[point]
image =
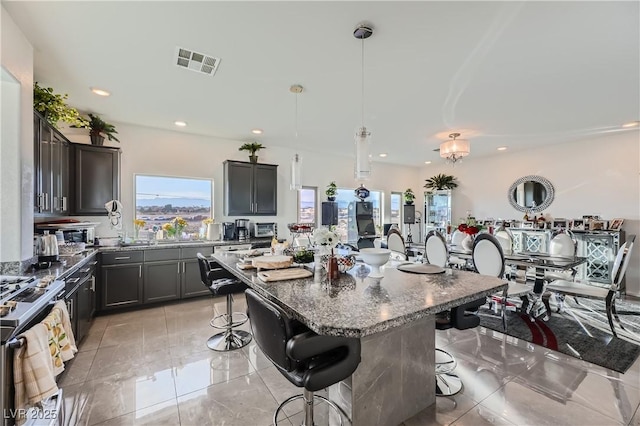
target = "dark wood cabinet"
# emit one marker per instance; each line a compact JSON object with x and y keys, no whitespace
{"x":190,"y":282}
{"x":161,"y":275}
{"x":81,"y":300}
{"x":250,"y":189}
{"x":51,"y":169}
{"x":121,"y":279}
{"x":96,"y":175}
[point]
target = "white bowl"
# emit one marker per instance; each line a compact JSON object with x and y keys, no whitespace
{"x":375,"y":257}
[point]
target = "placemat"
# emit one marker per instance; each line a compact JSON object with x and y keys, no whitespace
{"x":420,"y":268}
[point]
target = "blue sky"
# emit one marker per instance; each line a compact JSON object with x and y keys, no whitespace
{"x":153,"y":187}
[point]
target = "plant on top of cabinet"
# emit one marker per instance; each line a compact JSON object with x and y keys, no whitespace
{"x":54,"y":108}
{"x":441,"y":181}
{"x":252,"y":147}
{"x":99,"y":129}
{"x":409,"y":196}
{"x":331,"y":191}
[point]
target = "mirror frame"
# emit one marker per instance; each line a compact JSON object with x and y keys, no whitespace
{"x":531,"y":178}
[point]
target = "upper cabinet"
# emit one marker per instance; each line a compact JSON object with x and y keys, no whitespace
{"x":250,"y":189}
{"x":96,"y":176}
{"x":51,"y":166}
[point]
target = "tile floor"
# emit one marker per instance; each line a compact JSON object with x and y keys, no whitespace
{"x":152,"y":367}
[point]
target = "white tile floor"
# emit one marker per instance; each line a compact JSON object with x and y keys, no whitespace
{"x":152,"y":367}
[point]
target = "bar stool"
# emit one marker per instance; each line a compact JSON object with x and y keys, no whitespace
{"x":308,"y":360}
{"x":220,"y":283}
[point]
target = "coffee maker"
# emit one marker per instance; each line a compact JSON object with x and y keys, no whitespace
{"x":242,"y":229}
{"x":228,"y":231}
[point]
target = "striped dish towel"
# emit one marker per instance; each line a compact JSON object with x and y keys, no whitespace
{"x":33,"y":372}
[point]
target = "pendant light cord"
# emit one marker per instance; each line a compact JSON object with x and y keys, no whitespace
{"x":297,"y":119}
{"x":362,"y":82}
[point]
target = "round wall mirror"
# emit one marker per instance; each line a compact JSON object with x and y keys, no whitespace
{"x":530,"y":194}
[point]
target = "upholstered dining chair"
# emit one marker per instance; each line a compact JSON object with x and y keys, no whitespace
{"x":608,"y":294}
{"x":435,"y":249}
{"x":562,"y":244}
{"x":395,"y":243}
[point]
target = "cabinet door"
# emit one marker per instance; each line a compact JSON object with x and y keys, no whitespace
{"x":238,"y":190}
{"x":37,"y":171}
{"x":161,"y":281}
{"x":59,"y":174}
{"x":191,"y":285}
{"x":72,"y":305}
{"x":121,"y":285}
{"x":83,"y":308}
{"x":44,"y":171}
{"x":265,"y":190}
{"x":97,"y":178}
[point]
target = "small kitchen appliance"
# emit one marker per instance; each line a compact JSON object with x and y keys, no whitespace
{"x":265,"y":229}
{"x":242,"y":229}
{"x":228,"y":231}
{"x":47,"y":247}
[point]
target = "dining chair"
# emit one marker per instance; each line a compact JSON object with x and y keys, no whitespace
{"x":562,"y":244}
{"x":586,"y":290}
{"x":435,"y":249}
{"x":395,"y":243}
{"x":457,"y":237}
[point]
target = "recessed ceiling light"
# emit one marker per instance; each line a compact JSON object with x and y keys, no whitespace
{"x":427,"y":162}
{"x":631,"y":124}
{"x":382,"y":155}
{"x":257,"y":131}
{"x":180,"y":123}
{"x":100,"y":92}
{"x":502,"y":148}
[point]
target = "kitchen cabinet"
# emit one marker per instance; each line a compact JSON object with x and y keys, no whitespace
{"x":190,"y":281}
{"x":161,"y":275}
{"x":121,"y":279}
{"x":81,"y":300}
{"x":250,"y":189}
{"x":96,"y":178}
{"x":51,"y":169}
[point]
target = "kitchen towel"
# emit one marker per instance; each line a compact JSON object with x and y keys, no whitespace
{"x":33,"y":375}
{"x":114,"y":211}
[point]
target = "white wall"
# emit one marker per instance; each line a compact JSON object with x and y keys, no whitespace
{"x":154,"y":151}
{"x":597,"y":176}
{"x":16,"y":162}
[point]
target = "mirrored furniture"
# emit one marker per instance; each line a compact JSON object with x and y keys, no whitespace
{"x":531,"y":194}
{"x":437,"y":210}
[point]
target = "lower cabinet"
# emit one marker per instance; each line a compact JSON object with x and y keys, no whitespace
{"x":81,"y":300}
{"x":161,"y":281}
{"x":121,"y":285}
{"x":190,"y":283}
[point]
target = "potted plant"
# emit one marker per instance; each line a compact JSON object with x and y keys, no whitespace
{"x":99,"y":129}
{"x":331,"y":191}
{"x":409,"y":196}
{"x":441,"y":181}
{"x":252,"y":147}
{"x":54,"y":108}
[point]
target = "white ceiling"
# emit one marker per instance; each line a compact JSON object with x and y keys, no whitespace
{"x":502,"y":73}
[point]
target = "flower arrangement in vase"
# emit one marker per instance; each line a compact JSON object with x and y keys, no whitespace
{"x":138,"y":224}
{"x":471,"y":228}
{"x":174,"y":228}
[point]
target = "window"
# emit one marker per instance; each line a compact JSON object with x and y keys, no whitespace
{"x":347,"y":227}
{"x":307,"y":204}
{"x":396,"y":208}
{"x":159,"y":199}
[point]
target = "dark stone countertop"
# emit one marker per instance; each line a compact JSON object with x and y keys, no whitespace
{"x":66,"y":266}
{"x":358,"y":305}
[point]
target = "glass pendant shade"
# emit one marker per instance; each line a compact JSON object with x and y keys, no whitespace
{"x":454,"y":149}
{"x":363,"y":154}
{"x":296,"y":172}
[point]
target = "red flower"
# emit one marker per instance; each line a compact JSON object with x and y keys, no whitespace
{"x":462,"y":227}
{"x":472,"y":230}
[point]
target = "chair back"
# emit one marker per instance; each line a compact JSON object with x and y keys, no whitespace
{"x":457,"y":237}
{"x":205,"y":268}
{"x":435,"y":249}
{"x":622,"y":261}
{"x":505,"y":238}
{"x":395,"y":243}
{"x":271,"y":327}
{"x":487,"y":255}
{"x":562,"y":245}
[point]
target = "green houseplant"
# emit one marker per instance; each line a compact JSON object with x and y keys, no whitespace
{"x":252,"y":147}
{"x":54,"y":108}
{"x":331,"y":191}
{"x":409,"y":196}
{"x":99,"y":129}
{"x":441,"y":181}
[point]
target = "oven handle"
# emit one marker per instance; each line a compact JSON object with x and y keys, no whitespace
{"x":16,"y":342}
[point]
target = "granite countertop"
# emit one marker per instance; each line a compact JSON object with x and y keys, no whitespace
{"x":177,"y":244}
{"x":67,"y":265}
{"x":357,"y":305}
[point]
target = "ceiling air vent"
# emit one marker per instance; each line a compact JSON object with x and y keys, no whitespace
{"x":194,"y":61}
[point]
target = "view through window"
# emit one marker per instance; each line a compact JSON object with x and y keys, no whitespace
{"x":347,"y":228}
{"x":396,"y":208}
{"x":160,"y":199}
{"x":307,"y":205}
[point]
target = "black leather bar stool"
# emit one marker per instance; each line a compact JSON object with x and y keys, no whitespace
{"x":308,"y":360}
{"x":447,"y":383}
{"x":220,"y":282}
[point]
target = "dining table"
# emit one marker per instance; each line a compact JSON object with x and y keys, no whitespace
{"x":393,"y":315}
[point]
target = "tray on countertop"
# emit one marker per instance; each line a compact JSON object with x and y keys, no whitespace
{"x":284,"y":274}
{"x":420,"y":268}
{"x":272,"y":262}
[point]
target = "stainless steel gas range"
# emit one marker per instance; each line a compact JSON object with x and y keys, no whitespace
{"x":24,"y":301}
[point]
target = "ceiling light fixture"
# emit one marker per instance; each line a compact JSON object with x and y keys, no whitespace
{"x":180,"y":123}
{"x":454,"y":149}
{"x":631,"y":124}
{"x":427,"y":162}
{"x":382,"y":155}
{"x":296,"y":161}
{"x":100,"y":92}
{"x":256,"y":131}
{"x":502,"y":148}
{"x":363,"y":136}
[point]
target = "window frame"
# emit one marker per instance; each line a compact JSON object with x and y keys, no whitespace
{"x":315,"y":201}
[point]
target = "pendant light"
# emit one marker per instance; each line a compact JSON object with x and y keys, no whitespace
{"x":296,"y":161}
{"x":363,"y":136}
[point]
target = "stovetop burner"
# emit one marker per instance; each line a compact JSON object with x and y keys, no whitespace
{"x":9,"y":284}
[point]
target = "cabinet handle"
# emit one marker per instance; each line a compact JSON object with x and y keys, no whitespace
{"x":216,"y":269}
{"x":122,"y":257}
{"x":178,"y":268}
{"x":139,"y":271}
{"x":95,"y":262}
{"x":63,"y":202}
{"x":93,"y":284}
{"x":84,"y":271}
{"x":46,"y":201}
{"x":73,"y":280}
{"x":184,"y":267}
{"x":40,"y":202}
{"x":69,"y":307}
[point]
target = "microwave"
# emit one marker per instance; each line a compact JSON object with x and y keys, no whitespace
{"x":265,"y":229}
{"x":85,"y":235}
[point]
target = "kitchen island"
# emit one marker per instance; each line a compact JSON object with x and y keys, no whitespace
{"x":394,"y":318}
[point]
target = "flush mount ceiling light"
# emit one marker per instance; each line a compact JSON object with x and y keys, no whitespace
{"x":427,"y":162}
{"x":454,"y":149}
{"x":363,"y":136}
{"x":100,"y":92}
{"x":180,"y":123}
{"x":382,"y":155}
{"x":502,"y":148}
{"x":296,"y":161}
{"x":256,"y":131}
{"x":631,"y":124}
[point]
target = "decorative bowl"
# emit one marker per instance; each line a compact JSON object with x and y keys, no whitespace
{"x":344,"y":262}
{"x":375,"y":257}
